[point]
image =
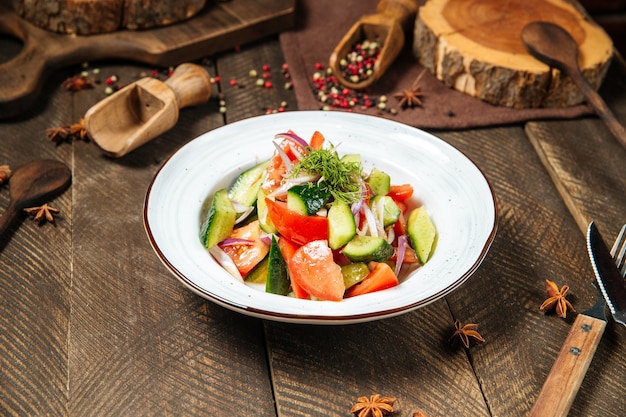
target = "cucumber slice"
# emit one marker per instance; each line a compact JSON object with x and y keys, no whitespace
{"x":379,"y":182}
{"x":265,"y":222}
{"x":354,"y":273}
{"x":277,"y":279}
{"x":341,"y":224}
{"x":259,"y":273}
{"x":422,"y":233}
{"x":368,"y":248}
{"x":391,"y":211}
{"x":306,"y":199}
{"x":247,"y":186}
{"x":220,"y":220}
{"x":351,"y":158}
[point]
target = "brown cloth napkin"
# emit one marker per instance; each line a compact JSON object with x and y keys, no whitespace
{"x":320,"y":25}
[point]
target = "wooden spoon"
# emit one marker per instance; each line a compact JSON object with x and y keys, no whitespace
{"x":554,"y":46}
{"x":387,"y":27}
{"x":145,"y":109}
{"x":33,"y":184}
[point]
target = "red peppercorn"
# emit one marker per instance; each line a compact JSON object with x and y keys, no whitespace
{"x":217,"y":79}
{"x":266,"y":67}
{"x":268,"y":84}
{"x":233,"y":82}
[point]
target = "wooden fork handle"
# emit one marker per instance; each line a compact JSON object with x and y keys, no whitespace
{"x":569,"y":369}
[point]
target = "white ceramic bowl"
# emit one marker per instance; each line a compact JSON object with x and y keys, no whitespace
{"x":456,"y":194}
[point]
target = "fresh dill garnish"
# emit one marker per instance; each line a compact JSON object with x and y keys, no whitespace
{"x":339,"y":178}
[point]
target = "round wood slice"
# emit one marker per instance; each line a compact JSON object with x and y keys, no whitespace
{"x":475,"y":47}
{"x":88,"y":17}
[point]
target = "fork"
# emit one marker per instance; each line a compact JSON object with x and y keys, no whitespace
{"x":619,"y":253}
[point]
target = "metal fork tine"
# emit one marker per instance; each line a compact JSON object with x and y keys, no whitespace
{"x":619,"y":253}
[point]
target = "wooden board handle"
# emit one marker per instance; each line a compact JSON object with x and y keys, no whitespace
{"x":569,"y":369}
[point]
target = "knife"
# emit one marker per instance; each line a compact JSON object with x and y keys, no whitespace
{"x":567,"y":373}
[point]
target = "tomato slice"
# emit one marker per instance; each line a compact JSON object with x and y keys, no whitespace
{"x":288,"y":249}
{"x":380,"y":278}
{"x":314,"y":270}
{"x":277,"y":169}
{"x":294,"y":226}
{"x":317,"y":140}
{"x":400,"y":192}
{"x":410,"y":257}
{"x":247,"y":255}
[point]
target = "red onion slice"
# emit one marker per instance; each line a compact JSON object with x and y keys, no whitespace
{"x":292,"y":137}
{"x":225,"y":262}
{"x":401,"y":251}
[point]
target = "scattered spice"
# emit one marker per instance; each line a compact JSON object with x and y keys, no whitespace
{"x":556,"y":300}
{"x":375,"y":406}
{"x":411,"y":97}
{"x":43,"y":213}
{"x":5,"y":173}
{"x":78,"y":130}
{"x":467,"y":334}
{"x":63,"y":133}
{"x":58,"y":134}
{"x":419,"y":414}
{"x":77,"y":82}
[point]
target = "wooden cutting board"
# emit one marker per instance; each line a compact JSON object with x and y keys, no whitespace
{"x":475,"y":47}
{"x":219,"y":27}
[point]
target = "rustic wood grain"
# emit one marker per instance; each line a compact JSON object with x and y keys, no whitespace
{"x":91,"y":323}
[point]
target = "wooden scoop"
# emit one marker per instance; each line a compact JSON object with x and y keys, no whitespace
{"x":554,"y":46}
{"x":145,"y":109}
{"x":387,"y":27}
{"x":33,"y":184}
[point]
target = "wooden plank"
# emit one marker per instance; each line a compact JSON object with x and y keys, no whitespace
{"x":535,"y":233}
{"x":140,"y":342}
{"x":586,"y":162}
{"x":35,"y":279}
{"x":220,"y":27}
{"x":586,"y":165}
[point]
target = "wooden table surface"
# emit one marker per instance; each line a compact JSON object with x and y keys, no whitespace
{"x":92,"y":324}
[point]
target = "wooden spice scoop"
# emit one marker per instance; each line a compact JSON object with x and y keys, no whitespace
{"x":33,"y":184}
{"x":145,"y":109}
{"x":387,"y":27}
{"x":554,"y":46}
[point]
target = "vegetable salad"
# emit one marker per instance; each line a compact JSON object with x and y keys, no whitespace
{"x":310,"y":223}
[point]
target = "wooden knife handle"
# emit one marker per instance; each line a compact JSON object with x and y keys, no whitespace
{"x":567,"y":373}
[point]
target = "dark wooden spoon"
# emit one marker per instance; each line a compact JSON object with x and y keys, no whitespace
{"x":33,"y":184}
{"x":554,"y":46}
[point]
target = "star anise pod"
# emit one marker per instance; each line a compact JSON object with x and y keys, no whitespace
{"x":411,"y":97}
{"x":78,"y":130}
{"x":466,"y":333}
{"x":374,"y":406}
{"x":58,"y":134}
{"x":556,"y":300}
{"x":5,"y":173}
{"x":77,"y":82}
{"x":42,"y":213}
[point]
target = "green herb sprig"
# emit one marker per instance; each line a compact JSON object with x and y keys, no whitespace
{"x":341,"y":179}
